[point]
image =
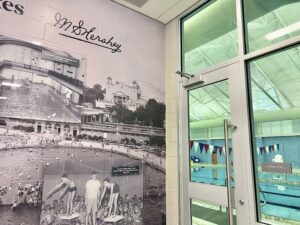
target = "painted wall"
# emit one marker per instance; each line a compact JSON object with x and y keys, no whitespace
{"x":172,"y":160}
{"x":110,"y":20}
{"x":107,"y":40}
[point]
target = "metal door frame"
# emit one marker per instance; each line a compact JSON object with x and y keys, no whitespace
{"x":240,"y":140}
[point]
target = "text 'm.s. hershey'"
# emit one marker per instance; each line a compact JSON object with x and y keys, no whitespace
{"x":81,"y":33}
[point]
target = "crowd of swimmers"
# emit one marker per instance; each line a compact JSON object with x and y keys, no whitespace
{"x":129,"y":208}
{"x":30,"y":194}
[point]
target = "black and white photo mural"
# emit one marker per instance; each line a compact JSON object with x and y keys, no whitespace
{"x":82,"y":114}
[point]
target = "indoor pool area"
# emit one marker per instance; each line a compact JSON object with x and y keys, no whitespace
{"x":230,"y":160}
{"x":278,"y":193}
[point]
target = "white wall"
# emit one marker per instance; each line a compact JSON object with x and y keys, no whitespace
{"x":172,"y":65}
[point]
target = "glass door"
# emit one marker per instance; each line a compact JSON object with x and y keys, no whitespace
{"x":213,"y":188}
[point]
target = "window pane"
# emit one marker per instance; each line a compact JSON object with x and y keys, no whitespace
{"x":275,"y":89}
{"x":209,"y":36}
{"x":208,"y":107}
{"x":209,"y":214}
{"x":269,"y":22}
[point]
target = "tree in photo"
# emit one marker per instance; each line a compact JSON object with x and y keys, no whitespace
{"x":94,"y":93}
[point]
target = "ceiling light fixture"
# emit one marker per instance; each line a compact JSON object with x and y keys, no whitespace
{"x":283,"y":31}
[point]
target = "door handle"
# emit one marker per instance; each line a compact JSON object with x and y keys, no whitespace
{"x":227,"y":154}
{"x":233,"y":127}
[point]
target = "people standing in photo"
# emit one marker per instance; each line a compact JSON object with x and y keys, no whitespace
{"x":69,"y":187}
{"x":113,"y":195}
{"x":68,"y":97}
{"x":92,"y":195}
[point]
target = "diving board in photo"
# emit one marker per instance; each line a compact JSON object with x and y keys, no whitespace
{"x":113,"y":219}
{"x":68,"y":219}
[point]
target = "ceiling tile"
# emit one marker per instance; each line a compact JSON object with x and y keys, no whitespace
{"x":163,"y":11}
{"x":138,"y":3}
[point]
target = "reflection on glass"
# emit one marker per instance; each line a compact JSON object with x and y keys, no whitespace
{"x":208,"y":107}
{"x":269,"y":22}
{"x":209,"y":214}
{"x":275,"y":89}
{"x":209,"y":36}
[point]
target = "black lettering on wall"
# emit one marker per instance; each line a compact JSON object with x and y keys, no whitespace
{"x":7,"y":5}
{"x":81,"y":33}
{"x":19,"y":9}
{"x":10,"y":6}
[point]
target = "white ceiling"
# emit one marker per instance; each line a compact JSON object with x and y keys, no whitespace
{"x":161,"y":10}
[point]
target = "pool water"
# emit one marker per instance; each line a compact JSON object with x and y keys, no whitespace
{"x":26,"y":215}
{"x":210,"y":175}
{"x":23,"y":215}
{"x":281,"y":193}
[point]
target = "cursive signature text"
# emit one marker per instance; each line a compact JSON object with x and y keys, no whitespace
{"x":81,"y":33}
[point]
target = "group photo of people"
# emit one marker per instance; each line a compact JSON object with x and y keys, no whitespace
{"x":91,"y":198}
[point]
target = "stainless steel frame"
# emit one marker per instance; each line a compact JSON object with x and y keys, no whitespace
{"x":211,"y":193}
{"x":245,"y":173}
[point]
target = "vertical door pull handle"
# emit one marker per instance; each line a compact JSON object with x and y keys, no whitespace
{"x":227,"y":154}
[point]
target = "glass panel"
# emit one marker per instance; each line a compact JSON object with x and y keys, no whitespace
{"x":269,"y":22}
{"x":209,"y":214}
{"x":207,"y":39}
{"x":208,"y":107}
{"x":275,"y":89}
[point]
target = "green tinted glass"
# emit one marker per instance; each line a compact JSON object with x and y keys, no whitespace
{"x":270,"y":21}
{"x":209,"y":36}
{"x":208,"y":107}
{"x":204,"y":213}
{"x":275,"y":91}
